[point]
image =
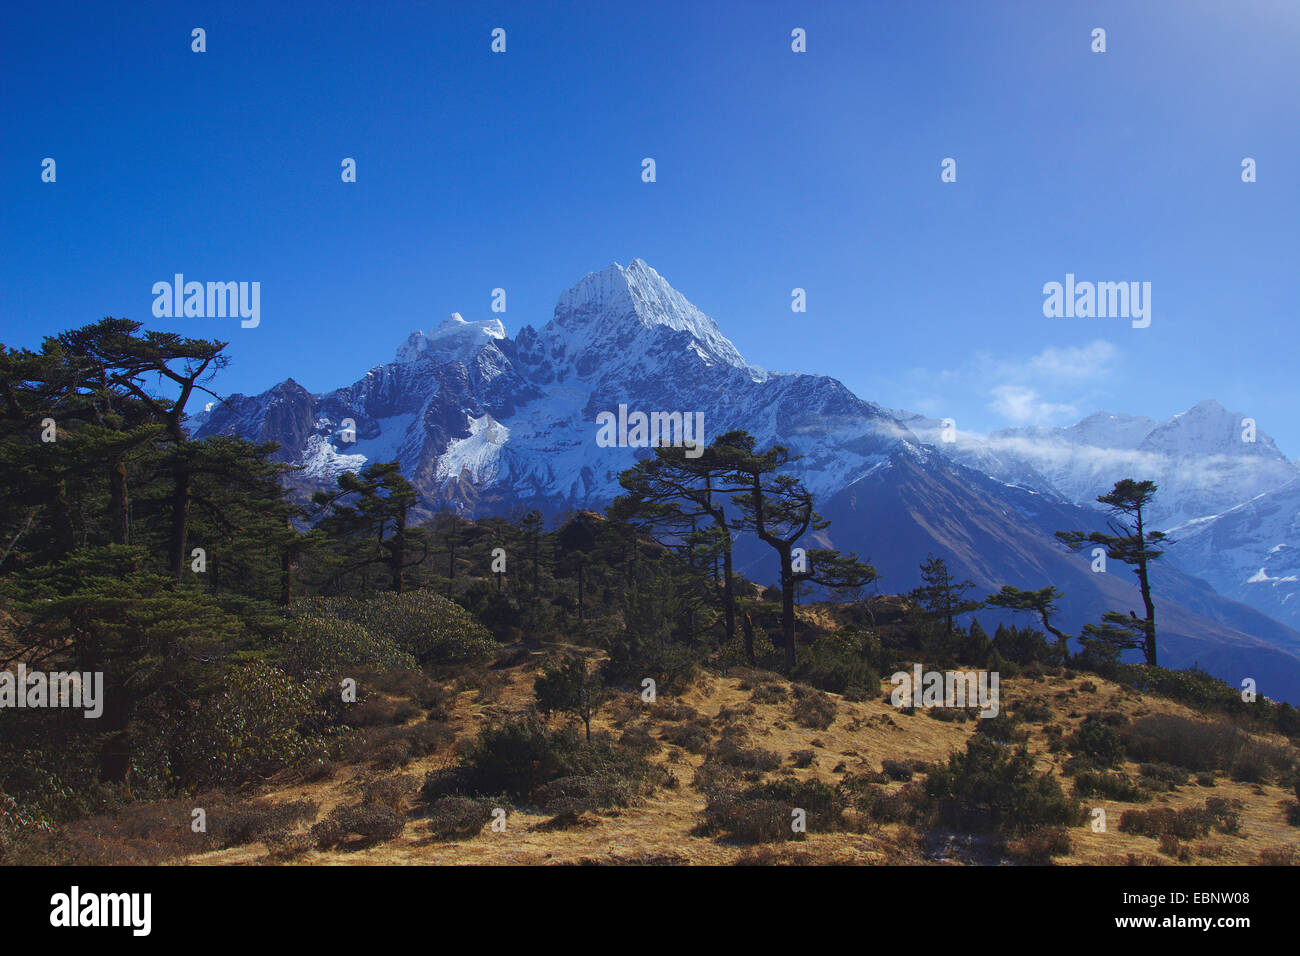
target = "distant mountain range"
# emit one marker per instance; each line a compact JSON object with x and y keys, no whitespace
{"x":486,"y":424}
{"x":1231,"y":506}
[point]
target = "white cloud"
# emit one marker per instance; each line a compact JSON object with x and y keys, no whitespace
{"x":1023,"y":405}
{"x":1046,"y":387}
{"x":1075,"y":363}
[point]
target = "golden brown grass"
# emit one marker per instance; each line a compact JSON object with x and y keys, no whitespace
{"x":863,"y":734}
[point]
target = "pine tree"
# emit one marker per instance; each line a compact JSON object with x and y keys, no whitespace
{"x":532,"y":529}
{"x":570,"y":687}
{"x":1042,"y":602}
{"x":672,"y":494}
{"x":369,"y":515}
{"x":779,"y":510}
{"x":942,"y":596}
{"x":1130,"y":543}
{"x":130,"y":362}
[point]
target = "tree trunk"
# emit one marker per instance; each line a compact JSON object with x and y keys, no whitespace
{"x":451,"y":564}
{"x":63,"y":530}
{"x":115,"y":751}
{"x":580,"y":605}
{"x":1062,"y":642}
{"x":532,"y":607}
{"x":118,"y":508}
{"x":1149,"y":641}
{"x":180,"y":520}
{"x":787,"y":608}
{"x":729,"y":595}
{"x":399,"y":552}
{"x":286,"y":578}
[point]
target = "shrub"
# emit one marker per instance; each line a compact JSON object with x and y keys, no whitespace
{"x":371,"y":710}
{"x":1259,"y":762}
{"x":712,"y":777}
{"x":1162,"y":776}
{"x":803,"y":758}
{"x":638,"y":739}
{"x":813,"y":708}
{"x":632,"y":659}
{"x":526,"y":761}
{"x":1039,"y":846}
{"x":315,"y":646}
{"x":863,"y":794}
{"x":1110,"y":786}
{"x":135,"y":834}
{"x":764,"y":813}
{"x":991,"y":787}
{"x":836,"y":663}
{"x":1248,"y":768}
{"x":896,"y":769}
{"x":1195,"y":744}
{"x":768,"y":694}
{"x":687,"y":736}
{"x":732,"y":752}
{"x":355,"y":827}
{"x":1223,"y":817}
{"x":1185,"y":824}
{"x":428,"y":737}
{"x":515,"y":758}
{"x":458,"y":818}
{"x":673,"y":711}
{"x":389,"y":791}
{"x":1193,"y":687}
{"x":391,"y":755}
{"x":1004,"y":727}
{"x":1280,"y":856}
{"x":258,"y":820}
{"x":1034,"y":712}
{"x":253,"y":727}
{"x":282,"y":847}
{"x":590,"y":791}
{"x":432,"y":629}
{"x":746,"y":820}
{"x":1096,"y":740}
{"x":1170,"y":846}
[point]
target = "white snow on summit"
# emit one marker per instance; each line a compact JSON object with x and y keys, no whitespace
{"x":455,"y":340}
{"x":603,"y":312}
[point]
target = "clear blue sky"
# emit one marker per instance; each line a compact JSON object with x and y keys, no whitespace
{"x":775,"y":170}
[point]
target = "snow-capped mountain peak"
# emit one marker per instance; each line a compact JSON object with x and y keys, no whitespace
{"x":607,"y":313}
{"x":483,"y":423}
{"x":1104,"y":430}
{"x":454,"y":340}
{"x":1207,"y":427}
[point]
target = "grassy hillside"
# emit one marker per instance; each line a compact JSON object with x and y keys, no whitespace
{"x":726,"y":734}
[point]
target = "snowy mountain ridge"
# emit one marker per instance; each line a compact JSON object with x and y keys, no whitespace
{"x":483,"y":423}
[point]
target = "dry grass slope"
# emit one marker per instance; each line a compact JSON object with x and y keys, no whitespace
{"x":758,"y":709}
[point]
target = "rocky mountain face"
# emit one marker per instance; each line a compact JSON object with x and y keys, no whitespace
{"x":1201,"y":459}
{"x":1250,"y":553}
{"x":483,"y":423}
{"x":1229,"y":498}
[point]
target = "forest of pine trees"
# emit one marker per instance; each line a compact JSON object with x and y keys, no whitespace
{"x":222,"y":612}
